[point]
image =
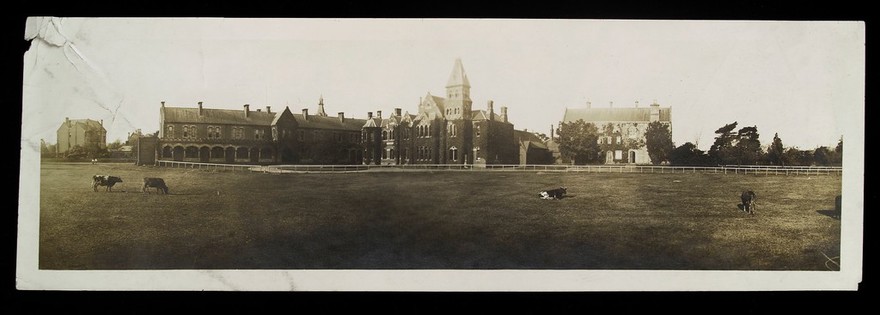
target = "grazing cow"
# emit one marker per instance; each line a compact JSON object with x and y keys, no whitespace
{"x":748,"y":201}
{"x":557,"y":193}
{"x":105,"y":180}
{"x":158,"y":183}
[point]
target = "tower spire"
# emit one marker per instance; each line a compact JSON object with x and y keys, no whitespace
{"x":458,"y":77}
{"x":321,"y":111}
{"x":458,"y":90}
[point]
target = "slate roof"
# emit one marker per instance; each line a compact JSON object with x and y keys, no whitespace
{"x":458,"y":76}
{"x":327,"y":122}
{"x":614,"y":114}
{"x":255,"y":118}
{"x":86,"y":123}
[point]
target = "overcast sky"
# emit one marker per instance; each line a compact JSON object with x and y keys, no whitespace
{"x":804,"y":80}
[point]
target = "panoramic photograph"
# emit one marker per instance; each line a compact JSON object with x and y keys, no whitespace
{"x":456,"y":145}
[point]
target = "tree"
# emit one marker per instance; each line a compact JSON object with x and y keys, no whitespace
{"x":721,"y":150}
{"x":688,"y":154}
{"x":544,"y":138}
{"x":748,"y":147}
{"x":115,"y":145}
{"x":838,"y":153}
{"x":578,"y":141}
{"x":822,"y":156}
{"x":776,"y":152}
{"x":658,"y":140}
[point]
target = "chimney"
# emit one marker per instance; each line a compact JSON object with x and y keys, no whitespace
{"x":268,"y":109}
{"x":101,"y":122}
{"x":369,"y":115}
{"x":637,"y":104}
{"x":341,"y":117}
{"x":247,"y":110}
{"x":200,"y":108}
{"x":305,"y":114}
{"x":504,"y":113}
{"x":611,"y":104}
{"x":491,"y":107}
{"x":259,"y":110}
{"x":67,"y":121}
{"x":163,"y":104}
{"x":655,"y":103}
{"x":397,"y":112}
{"x":379,"y":114}
{"x":552,"y":131}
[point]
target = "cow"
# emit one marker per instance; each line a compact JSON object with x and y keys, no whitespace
{"x":105,"y":180}
{"x":158,"y":183}
{"x":748,"y":201}
{"x":557,"y":193}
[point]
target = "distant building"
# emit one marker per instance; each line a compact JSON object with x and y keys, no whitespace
{"x":532,"y":150}
{"x":622,"y":130}
{"x":80,"y":132}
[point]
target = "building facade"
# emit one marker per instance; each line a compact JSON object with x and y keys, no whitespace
{"x":80,"y":132}
{"x":444,"y":130}
{"x":622,"y":130}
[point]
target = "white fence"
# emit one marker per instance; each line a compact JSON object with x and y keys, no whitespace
{"x":727,"y":169}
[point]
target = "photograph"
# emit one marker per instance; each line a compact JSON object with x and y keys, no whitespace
{"x":258,"y":154}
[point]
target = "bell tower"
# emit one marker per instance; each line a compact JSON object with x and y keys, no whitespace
{"x":458,"y":93}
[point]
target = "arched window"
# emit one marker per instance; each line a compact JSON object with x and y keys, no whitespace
{"x":453,"y":153}
{"x":170,"y":132}
{"x":384,"y":135}
{"x":186,"y":131}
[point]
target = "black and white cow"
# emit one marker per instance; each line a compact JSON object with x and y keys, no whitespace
{"x":105,"y":180}
{"x":557,"y":193}
{"x":748,"y":201}
{"x":158,"y":183}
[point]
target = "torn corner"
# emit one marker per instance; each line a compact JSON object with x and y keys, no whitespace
{"x":47,"y":29}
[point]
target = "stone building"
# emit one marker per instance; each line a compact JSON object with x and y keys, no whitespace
{"x":622,"y":130}
{"x":80,"y":132}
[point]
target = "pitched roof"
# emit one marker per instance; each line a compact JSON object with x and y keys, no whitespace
{"x":216,"y":116}
{"x":482,"y":115}
{"x":614,"y":114}
{"x":372,"y":123}
{"x":529,"y":139}
{"x":458,"y":76}
{"x":86,"y":123}
{"x":326,"y":122}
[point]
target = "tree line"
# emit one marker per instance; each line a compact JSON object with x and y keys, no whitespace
{"x":579,"y":142}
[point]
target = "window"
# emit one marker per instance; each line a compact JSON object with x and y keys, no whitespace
{"x":477,"y":129}
{"x":210,"y":132}
{"x":599,"y":140}
{"x":452,"y":131}
{"x":237,"y":132}
{"x":259,"y":134}
{"x":618,"y":154}
{"x":453,"y":153}
{"x":391,"y":134}
{"x":476,"y":153}
{"x":186,"y":131}
{"x":384,"y":135}
{"x":619,"y":140}
{"x":384,"y":154}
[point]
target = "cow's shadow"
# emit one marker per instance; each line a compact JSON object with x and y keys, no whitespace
{"x":831,"y":213}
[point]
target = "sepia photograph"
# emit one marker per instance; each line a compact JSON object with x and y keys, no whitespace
{"x":441,"y":155}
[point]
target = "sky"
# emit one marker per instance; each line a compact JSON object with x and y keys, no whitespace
{"x":802,"y":80}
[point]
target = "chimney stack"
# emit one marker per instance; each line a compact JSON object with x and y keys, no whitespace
{"x":379,"y":114}
{"x":504,"y":113}
{"x":637,"y":104}
{"x":491,"y":107}
{"x":552,"y":131}
{"x":247,"y":110}
{"x":397,"y":112}
{"x":341,"y":117}
{"x":305,"y":114}
{"x":259,"y":110}
{"x":268,"y":109}
{"x":200,"y":108}
{"x":67,"y":121}
{"x":101,"y":122}
{"x":369,"y":115}
{"x":611,"y":104}
{"x":163,"y":104}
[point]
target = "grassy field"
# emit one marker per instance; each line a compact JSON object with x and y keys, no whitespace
{"x":439,"y":220}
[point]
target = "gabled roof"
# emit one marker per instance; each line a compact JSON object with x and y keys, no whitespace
{"x":372,"y":123}
{"x":458,"y":76}
{"x":614,"y":114}
{"x":217,"y":116}
{"x":483,"y":115}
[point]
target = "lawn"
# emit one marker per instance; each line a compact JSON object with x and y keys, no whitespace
{"x":433,"y":220}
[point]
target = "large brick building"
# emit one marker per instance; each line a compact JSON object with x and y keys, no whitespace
{"x":622,"y":130}
{"x":80,"y":132}
{"x":443,"y":131}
